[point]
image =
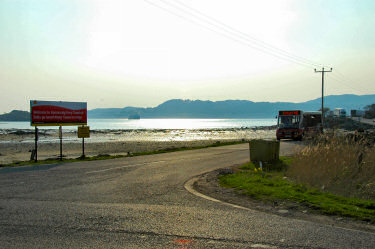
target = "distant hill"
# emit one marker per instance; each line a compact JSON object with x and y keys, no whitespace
{"x":15,"y":115}
{"x":178,"y":108}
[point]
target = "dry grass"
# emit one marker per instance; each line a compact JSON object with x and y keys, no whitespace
{"x":341,"y":165}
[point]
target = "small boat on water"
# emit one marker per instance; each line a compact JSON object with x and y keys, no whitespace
{"x":134,"y":116}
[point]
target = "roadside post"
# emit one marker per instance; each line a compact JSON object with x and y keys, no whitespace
{"x":83,"y":132}
{"x":36,"y":145}
{"x":60,"y":137}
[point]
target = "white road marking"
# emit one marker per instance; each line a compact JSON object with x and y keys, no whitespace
{"x":189,"y":187}
{"x":263,"y":246}
{"x":121,"y":167}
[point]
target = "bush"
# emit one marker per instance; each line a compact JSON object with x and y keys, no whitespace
{"x":340,"y":165}
{"x":370,"y":111}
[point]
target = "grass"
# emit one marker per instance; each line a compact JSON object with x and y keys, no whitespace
{"x":273,"y":186}
{"x":106,"y":156}
{"x":55,"y":160}
{"x":341,"y":165}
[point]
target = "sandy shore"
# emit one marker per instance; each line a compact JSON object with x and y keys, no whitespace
{"x":15,"y":145}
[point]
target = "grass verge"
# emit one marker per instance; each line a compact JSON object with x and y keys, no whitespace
{"x":273,"y":186}
{"x":107,"y":156}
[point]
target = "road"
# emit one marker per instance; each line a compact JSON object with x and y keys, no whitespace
{"x":141,"y":202}
{"x":364,"y":120}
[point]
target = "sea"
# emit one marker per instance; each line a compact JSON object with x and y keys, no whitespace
{"x":156,"y":124}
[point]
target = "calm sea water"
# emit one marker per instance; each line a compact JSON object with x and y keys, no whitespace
{"x":152,"y":124}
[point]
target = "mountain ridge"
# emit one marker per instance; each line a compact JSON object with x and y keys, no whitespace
{"x":179,"y":108}
{"x":15,"y":115}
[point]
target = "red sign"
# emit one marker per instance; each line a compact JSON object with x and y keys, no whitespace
{"x":54,"y":113}
{"x":289,"y":113}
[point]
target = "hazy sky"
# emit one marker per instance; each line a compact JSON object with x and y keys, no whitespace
{"x":143,"y":52}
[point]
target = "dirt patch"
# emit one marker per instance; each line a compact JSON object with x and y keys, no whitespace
{"x":208,"y":184}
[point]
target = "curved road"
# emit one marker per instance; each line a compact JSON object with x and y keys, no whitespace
{"x":141,"y":202}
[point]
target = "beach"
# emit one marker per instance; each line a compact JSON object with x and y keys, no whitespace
{"x":16,"y":144}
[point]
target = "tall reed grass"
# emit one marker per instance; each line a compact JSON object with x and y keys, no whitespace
{"x":343,"y":165}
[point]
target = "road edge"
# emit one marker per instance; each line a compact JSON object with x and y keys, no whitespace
{"x":189,"y":186}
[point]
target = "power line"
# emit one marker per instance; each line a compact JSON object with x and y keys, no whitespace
{"x":247,"y":36}
{"x":257,"y":44}
{"x":230,"y":35}
{"x":350,"y":81}
{"x":345,"y":83}
{"x":201,"y":19}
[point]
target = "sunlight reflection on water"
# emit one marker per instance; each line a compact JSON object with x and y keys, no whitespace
{"x":125,"y":124}
{"x":112,"y":130}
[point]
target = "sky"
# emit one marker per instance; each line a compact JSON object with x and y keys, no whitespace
{"x":117,"y":53}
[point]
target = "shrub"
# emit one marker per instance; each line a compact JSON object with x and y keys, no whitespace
{"x":341,"y":165}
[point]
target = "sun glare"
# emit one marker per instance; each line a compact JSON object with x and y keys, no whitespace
{"x":158,"y":44}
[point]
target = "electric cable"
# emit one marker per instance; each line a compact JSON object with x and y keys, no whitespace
{"x":201,"y":19}
{"x":239,"y":33}
{"x":235,"y":38}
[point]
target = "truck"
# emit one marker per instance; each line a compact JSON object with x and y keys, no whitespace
{"x":357,"y":113}
{"x":295,"y":124}
{"x":339,"y":113}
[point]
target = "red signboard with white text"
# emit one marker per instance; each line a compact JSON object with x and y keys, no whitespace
{"x":58,"y":113}
{"x":290,"y":113}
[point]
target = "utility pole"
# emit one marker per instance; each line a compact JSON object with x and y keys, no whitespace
{"x":323,"y":71}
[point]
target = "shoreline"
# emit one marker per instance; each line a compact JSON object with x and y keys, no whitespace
{"x":16,"y":144}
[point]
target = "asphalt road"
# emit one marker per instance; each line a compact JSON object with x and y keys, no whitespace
{"x":364,"y":120}
{"x":141,"y":202}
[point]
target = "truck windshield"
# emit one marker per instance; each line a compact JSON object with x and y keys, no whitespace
{"x":292,"y":121}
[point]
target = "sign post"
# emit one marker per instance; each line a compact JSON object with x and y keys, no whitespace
{"x":56,"y":113}
{"x":60,"y":137}
{"x":83,"y":132}
{"x":36,"y":145}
